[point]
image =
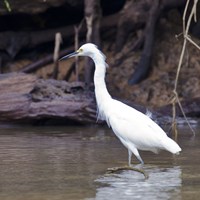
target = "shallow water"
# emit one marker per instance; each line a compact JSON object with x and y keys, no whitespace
{"x":57,"y":163}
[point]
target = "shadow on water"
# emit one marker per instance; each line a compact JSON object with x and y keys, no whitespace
{"x":70,"y":163}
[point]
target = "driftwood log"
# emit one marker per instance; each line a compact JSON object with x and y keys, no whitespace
{"x":26,"y":98}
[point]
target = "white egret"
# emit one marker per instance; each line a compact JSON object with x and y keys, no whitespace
{"x":135,"y":130}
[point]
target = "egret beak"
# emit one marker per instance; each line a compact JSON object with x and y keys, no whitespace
{"x":69,"y":55}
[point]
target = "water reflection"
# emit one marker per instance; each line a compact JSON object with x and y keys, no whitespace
{"x":163,"y":183}
{"x":59,"y":163}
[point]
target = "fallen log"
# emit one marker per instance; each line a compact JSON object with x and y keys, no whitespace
{"x":26,"y":98}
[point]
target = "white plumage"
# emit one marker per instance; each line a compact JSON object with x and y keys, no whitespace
{"x":134,"y":129}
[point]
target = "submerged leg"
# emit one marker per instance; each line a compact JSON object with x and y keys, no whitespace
{"x":136,"y":153}
{"x":117,"y":169}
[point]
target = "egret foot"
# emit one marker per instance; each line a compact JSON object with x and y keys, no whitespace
{"x":116,"y":169}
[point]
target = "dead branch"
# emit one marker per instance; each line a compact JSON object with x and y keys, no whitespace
{"x":186,"y":27}
{"x":58,"y":40}
{"x":26,"y":98}
{"x":44,"y":61}
{"x":76,"y":45}
{"x":93,"y":15}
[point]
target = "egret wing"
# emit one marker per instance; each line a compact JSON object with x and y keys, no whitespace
{"x":135,"y":128}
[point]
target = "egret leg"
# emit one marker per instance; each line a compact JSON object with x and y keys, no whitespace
{"x":136,"y":153}
{"x":130,"y":167}
{"x":129,"y":157}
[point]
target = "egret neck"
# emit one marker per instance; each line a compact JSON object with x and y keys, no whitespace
{"x":103,"y":98}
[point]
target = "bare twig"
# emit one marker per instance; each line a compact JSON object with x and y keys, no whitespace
{"x":76,"y":38}
{"x":192,"y":42}
{"x":186,"y":38}
{"x":92,"y":13}
{"x":58,"y":41}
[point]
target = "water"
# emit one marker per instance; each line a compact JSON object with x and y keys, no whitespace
{"x":57,"y":163}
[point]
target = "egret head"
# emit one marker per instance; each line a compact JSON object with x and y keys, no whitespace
{"x":88,"y":49}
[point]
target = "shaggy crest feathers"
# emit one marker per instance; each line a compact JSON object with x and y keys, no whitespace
{"x":93,"y":51}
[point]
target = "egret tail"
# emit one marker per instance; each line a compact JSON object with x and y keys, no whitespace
{"x":171,"y":146}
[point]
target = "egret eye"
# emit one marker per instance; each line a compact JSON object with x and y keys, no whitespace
{"x":80,"y":50}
